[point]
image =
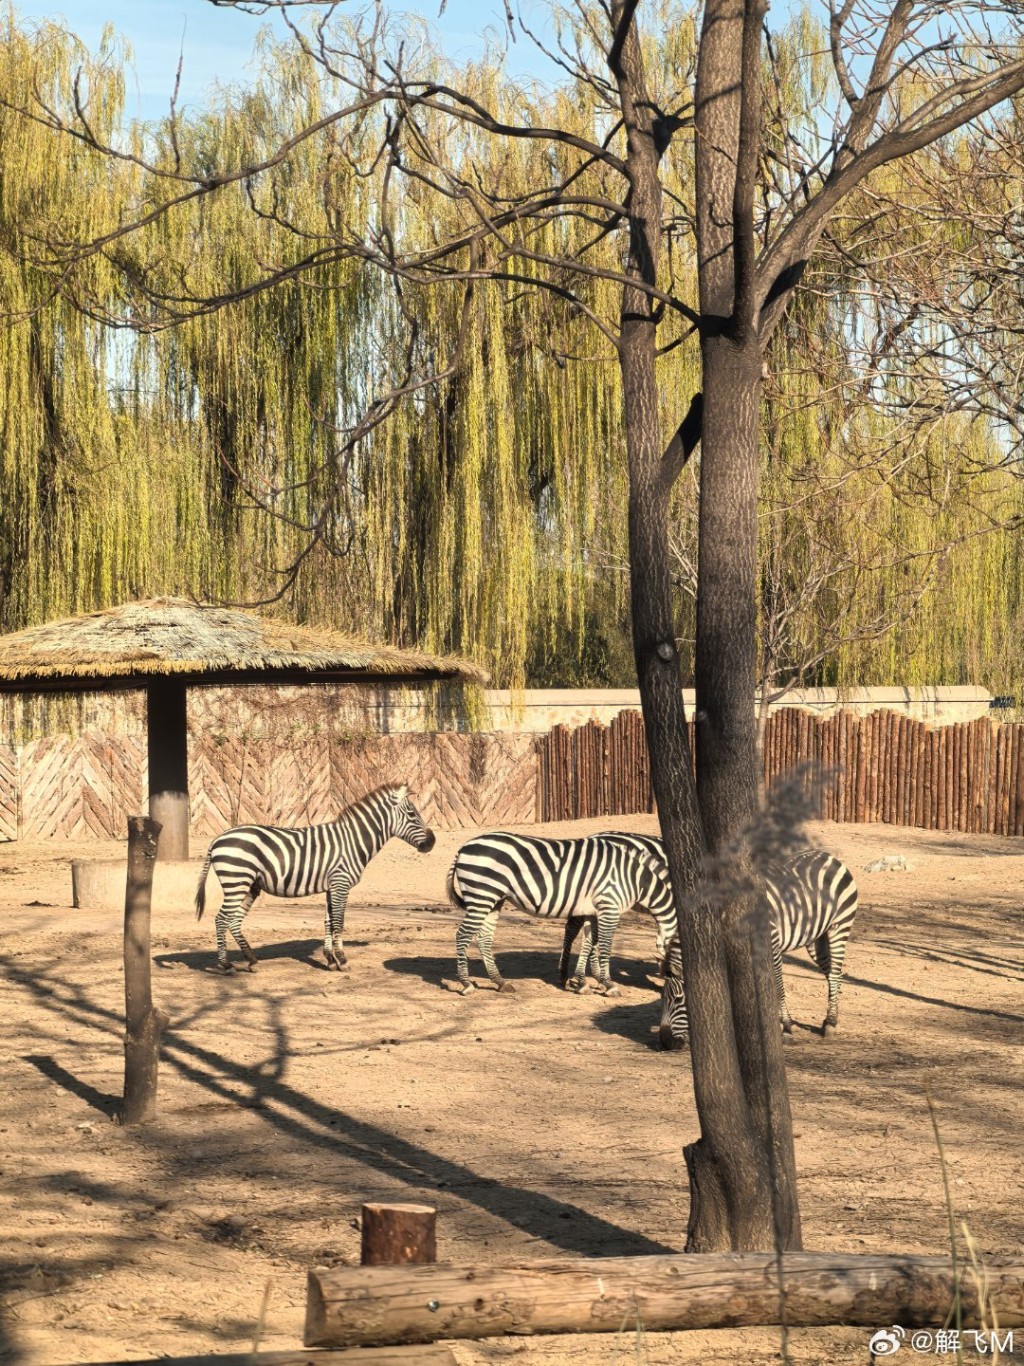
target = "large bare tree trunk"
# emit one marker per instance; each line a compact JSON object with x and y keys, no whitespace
{"x":738,"y":1164}
{"x":729,"y":795}
{"x":727,"y":100}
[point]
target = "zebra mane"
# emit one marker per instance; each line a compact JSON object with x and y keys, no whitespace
{"x":385,"y":790}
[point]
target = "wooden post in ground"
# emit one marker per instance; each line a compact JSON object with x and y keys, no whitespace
{"x":167,"y":747}
{"x":399,"y":1235}
{"x":144,"y":1024}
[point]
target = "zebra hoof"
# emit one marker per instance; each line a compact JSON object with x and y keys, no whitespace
{"x":466,"y":988}
{"x":574,"y":984}
{"x":827,"y":1028}
{"x":225,"y":969}
{"x":252,"y":965}
{"x":609,"y":989}
{"x":507,"y":989}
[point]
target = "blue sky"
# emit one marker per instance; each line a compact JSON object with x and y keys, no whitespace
{"x":217,"y":44}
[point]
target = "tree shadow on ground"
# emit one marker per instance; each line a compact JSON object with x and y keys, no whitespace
{"x":971,"y":960}
{"x":888,"y":990}
{"x":107,"y":1105}
{"x":312,"y":1124}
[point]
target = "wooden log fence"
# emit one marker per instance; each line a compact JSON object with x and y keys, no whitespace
{"x":885,"y":767}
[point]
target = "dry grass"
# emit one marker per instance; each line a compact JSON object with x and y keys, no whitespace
{"x":170,"y":636}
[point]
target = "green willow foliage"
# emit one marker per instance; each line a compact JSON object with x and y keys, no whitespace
{"x":485,"y":514}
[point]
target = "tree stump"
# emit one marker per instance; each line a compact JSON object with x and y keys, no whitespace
{"x":399,"y":1235}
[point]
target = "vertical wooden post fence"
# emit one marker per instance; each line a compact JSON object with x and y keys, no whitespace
{"x":888,"y":767}
{"x":144,"y":1023}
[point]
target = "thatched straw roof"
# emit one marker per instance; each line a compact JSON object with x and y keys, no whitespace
{"x":170,"y":637}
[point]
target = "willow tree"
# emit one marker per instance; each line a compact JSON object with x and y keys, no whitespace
{"x":587,"y":227}
{"x":318,"y":443}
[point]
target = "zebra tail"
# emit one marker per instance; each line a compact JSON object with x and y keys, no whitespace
{"x":453,"y":894}
{"x":201,"y":889}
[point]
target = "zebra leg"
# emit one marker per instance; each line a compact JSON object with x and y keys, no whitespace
{"x":334,"y":921}
{"x":230,"y":918}
{"x":464,"y":936}
{"x":485,"y":940}
{"x":224,"y":963}
{"x":573,"y":925}
{"x":830,"y":953}
{"x":607,"y":921}
{"x":784,"y":1016}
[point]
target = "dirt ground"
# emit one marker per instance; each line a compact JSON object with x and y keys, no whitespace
{"x":540,"y":1124}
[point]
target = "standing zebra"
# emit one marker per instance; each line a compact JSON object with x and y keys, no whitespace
{"x":812,"y":902}
{"x":600,"y":876}
{"x":313,"y":858}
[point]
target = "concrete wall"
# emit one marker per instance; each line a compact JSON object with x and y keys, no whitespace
{"x":539,"y":710}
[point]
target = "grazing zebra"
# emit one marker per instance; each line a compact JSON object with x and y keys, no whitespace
{"x":313,"y":858}
{"x":653,"y":849}
{"x":600,"y":876}
{"x":812,"y":901}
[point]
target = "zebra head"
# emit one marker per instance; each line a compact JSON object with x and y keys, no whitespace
{"x":675,"y":1024}
{"x":406,"y":821}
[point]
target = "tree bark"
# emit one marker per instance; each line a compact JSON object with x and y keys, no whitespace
{"x":738,"y":1160}
{"x":393,"y":1235}
{"x":755,"y":1207}
{"x":144,"y":1023}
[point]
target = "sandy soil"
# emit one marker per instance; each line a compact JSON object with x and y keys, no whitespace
{"x":539,"y":1124}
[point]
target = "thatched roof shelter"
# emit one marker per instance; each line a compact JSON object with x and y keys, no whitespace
{"x":166,"y":645}
{"x":127,"y":646}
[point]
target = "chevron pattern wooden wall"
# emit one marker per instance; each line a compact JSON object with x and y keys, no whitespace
{"x":88,"y":786}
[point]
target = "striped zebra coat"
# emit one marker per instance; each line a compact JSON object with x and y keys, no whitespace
{"x":648,"y":846}
{"x":812,"y":902}
{"x":600,"y":877}
{"x":297,"y":862}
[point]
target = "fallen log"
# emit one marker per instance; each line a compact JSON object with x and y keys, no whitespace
{"x":429,"y":1354}
{"x":362,"y":1306}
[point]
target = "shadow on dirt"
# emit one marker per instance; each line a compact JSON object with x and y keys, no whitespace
{"x":516,"y":965}
{"x":888,"y":990}
{"x":298,"y":950}
{"x":311,"y":1124}
{"x":637,"y":1023}
{"x":106,"y":1104}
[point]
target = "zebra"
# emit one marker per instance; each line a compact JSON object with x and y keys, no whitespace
{"x":599,"y":876}
{"x":648,"y":846}
{"x":812,"y":902}
{"x":314,"y":858}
